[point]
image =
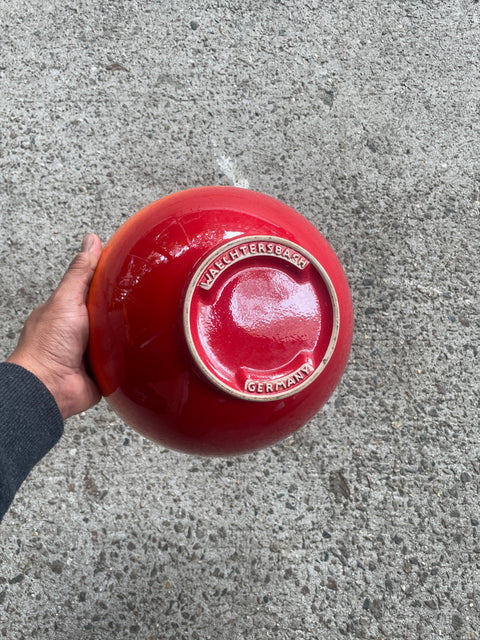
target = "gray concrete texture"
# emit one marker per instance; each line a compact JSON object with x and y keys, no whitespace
{"x":365,"y":117}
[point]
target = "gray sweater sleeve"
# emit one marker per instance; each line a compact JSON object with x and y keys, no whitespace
{"x":30,"y":425}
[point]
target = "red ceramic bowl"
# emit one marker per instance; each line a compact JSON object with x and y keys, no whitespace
{"x":220,"y":321}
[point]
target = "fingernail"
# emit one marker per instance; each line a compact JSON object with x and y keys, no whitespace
{"x":87,"y":243}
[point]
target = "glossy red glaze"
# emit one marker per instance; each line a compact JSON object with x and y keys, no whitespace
{"x":220,"y":321}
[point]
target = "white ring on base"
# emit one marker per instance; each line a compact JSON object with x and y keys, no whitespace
{"x":188,"y":301}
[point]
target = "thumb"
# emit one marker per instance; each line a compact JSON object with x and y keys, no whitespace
{"x":75,"y":283}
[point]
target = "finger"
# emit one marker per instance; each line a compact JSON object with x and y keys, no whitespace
{"x":92,"y":246}
{"x":74,"y":285}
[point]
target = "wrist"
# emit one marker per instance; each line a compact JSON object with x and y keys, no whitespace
{"x":47,"y":377}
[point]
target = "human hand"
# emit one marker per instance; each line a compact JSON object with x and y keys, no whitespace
{"x":54,"y":339}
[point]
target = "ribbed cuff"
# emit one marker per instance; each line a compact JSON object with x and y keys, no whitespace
{"x":30,"y":425}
